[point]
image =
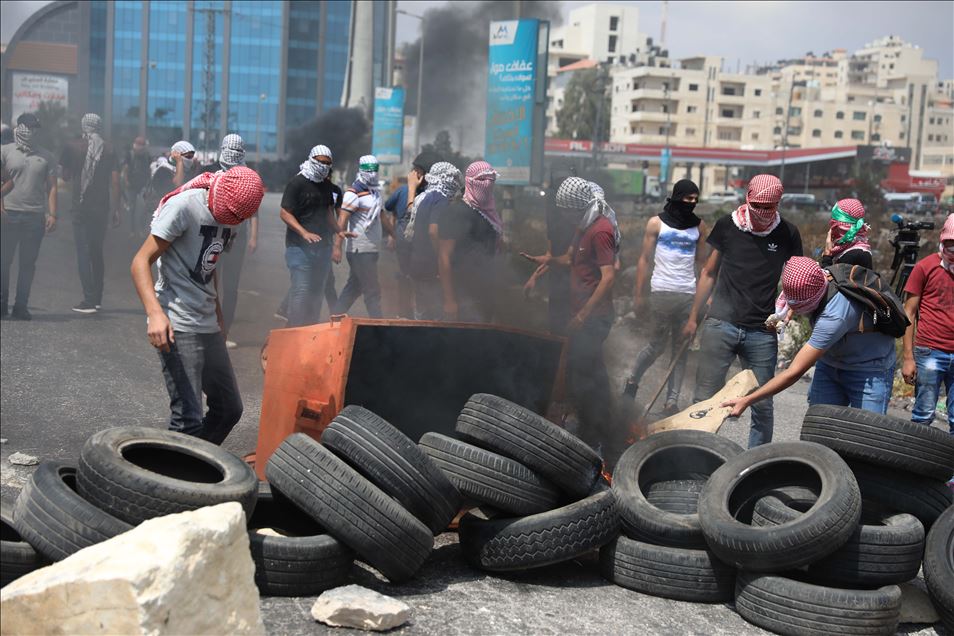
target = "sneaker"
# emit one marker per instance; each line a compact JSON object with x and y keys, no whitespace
{"x":20,"y":313}
{"x":230,"y":344}
{"x":86,"y":308}
{"x":630,"y":389}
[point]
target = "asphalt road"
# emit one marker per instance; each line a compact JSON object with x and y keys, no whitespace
{"x":64,"y":376}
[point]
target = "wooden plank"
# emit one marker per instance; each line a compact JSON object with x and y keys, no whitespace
{"x":708,"y":415}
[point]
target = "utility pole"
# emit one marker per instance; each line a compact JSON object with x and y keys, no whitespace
{"x":208,"y":76}
{"x":788,"y":113}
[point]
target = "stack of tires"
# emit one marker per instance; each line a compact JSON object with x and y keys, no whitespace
{"x":539,"y":490}
{"x":376,"y":494}
{"x":662,"y":550}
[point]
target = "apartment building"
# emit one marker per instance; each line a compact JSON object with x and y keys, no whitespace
{"x":601,"y":31}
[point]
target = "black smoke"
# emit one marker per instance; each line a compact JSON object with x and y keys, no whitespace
{"x":456,"y":36}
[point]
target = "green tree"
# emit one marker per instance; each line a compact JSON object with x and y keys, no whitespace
{"x":584,"y":102}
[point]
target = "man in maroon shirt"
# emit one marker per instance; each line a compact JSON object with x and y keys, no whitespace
{"x":929,"y":355}
{"x":591,"y":259}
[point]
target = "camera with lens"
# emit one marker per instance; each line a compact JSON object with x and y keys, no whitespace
{"x":906,"y":242}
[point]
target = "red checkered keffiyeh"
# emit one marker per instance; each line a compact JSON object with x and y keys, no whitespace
{"x":234,"y":195}
{"x":839,"y":228}
{"x":764,"y":189}
{"x":804,"y":284}
{"x":479,"y":192}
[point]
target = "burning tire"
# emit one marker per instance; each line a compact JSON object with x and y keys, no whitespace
{"x":939,"y":567}
{"x":395,"y":464}
{"x":727,"y":502}
{"x":17,"y":557}
{"x":788,"y":606}
{"x":881,"y":440}
{"x":885,"y":547}
{"x":489,"y":478}
{"x":502,"y":544}
{"x":304,"y":561}
{"x":521,"y":434}
{"x":926,"y":499}
{"x":661,"y":458}
{"x":51,"y":515}
{"x":351,"y":508}
{"x":137,"y":473}
{"x":676,"y":573}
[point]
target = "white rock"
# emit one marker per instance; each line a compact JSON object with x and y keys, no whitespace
{"x":22,"y":459}
{"x":188,"y":573}
{"x":3,"y":440}
{"x":916,"y":606}
{"x":268,"y":532}
{"x":361,"y":608}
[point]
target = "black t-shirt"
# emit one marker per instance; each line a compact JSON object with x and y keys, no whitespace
{"x":309,"y":202}
{"x":137,"y":169}
{"x":851,"y":257}
{"x":96,"y":199}
{"x":423,"y":257}
{"x":476,"y":242}
{"x":750,"y":269}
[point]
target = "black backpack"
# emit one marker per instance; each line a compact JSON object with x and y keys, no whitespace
{"x":866,"y":287}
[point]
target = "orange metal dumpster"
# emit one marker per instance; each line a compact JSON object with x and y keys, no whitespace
{"x":416,"y":375}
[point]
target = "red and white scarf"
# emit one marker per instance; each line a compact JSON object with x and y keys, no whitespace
{"x":234,"y":195}
{"x":947,"y":234}
{"x":804,"y":284}
{"x":839,"y":228}
{"x":765,"y":190}
{"x":479,"y":192}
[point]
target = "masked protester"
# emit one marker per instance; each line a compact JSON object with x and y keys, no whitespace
{"x":361,"y":215}
{"x":469,"y":232}
{"x":591,"y":258}
{"x":853,"y":367}
{"x":847,"y":240}
{"x":182,"y":155}
{"x":191,"y":229}
{"x":749,"y":249}
{"x":672,"y":252}
{"x":28,"y":210}
{"x":928,"y":359}
{"x":135,"y":176}
{"x":308,"y":210}
{"x":96,"y":201}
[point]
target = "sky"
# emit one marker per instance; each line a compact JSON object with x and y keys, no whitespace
{"x":741,"y":32}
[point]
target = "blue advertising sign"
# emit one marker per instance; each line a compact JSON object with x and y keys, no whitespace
{"x":387,"y":134}
{"x":513,"y":72}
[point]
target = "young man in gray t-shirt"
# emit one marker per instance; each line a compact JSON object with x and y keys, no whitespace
{"x":192,"y":227}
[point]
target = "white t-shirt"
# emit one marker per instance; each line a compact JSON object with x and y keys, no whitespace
{"x":674,"y":269}
{"x":185,"y":287}
{"x":365,"y":219}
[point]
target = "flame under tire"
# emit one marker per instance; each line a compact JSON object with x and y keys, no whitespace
{"x":530,"y":439}
{"x":939,"y":567}
{"x":881,"y":439}
{"x":788,"y":606}
{"x":395,"y":464}
{"x":506,"y":543}
{"x":304,"y":561}
{"x":55,"y":519}
{"x":488,"y":478}
{"x":676,"y":573}
{"x":17,"y":557}
{"x":727,"y":503}
{"x":351,"y":508}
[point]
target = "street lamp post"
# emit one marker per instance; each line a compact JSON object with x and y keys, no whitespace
{"x":258,"y":129}
{"x":420,"y":80}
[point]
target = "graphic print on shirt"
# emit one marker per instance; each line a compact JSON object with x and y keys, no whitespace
{"x":212,"y":247}
{"x":678,"y":241}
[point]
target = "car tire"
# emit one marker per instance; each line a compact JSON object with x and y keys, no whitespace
{"x":881,"y":440}
{"x":939,"y":567}
{"x":55,"y":519}
{"x":787,"y":606}
{"x":666,"y":456}
{"x":679,"y":496}
{"x":925,"y":498}
{"x":502,"y":544}
{"x":395,"y":464}
{"x":535,"y":442}
{"x":885,"y":548}
{"x":677,"y":573}
{"x":137,"y":473}
{"x":352,"y":509}
{"x":17,"y":557}
{"x":490,"y":479}
{"x":304,"y":561}
{"x":727,"y":503}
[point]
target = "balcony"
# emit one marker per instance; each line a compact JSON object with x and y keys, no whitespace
{"x":647,"y":93}
{"x":648,"y":116}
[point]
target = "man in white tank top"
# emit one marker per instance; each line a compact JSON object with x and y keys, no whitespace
{"x":672,"y":252}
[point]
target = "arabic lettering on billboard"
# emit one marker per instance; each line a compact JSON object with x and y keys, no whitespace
{"x":387,"y":135}
{"x":510,"y":93}
{"x":30,"y":90}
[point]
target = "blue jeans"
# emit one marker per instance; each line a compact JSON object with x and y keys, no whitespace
{"x":868,"y":390}
{"x":23,"y":232}
{"x":199,"y":363}
{"x":934,"y":366}
{"x":309,"y":266}
{"x":757,"y":349}
{"x":362,"y":280}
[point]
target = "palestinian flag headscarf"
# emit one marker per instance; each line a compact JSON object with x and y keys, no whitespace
{"x":848,"y":228}
{"x":759,"y":214}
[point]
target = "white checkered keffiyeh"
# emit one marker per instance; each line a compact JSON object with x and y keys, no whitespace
{"x":232,"y":151}
{"x":579,"y":194}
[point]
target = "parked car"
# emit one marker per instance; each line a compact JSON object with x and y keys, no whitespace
{"x":799,"y":201}
{"x":725,"y":196}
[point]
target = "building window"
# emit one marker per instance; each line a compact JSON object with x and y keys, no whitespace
{"x":756,"y":114}
{"x":612,"y":44}
{"x":904,"y":118}
{"x":693,"y":87}
{"x":690,"y":132}
{"x":930,"y":137}
{"x":818,"y":113}
{"x":755,"y":136}
{"x":758,"y":92}
{"x":728,"y":90}
{"x":691,"y":109}
{"x":857,"y":134}
{"x":728,"y":113}
{"x":839,"y":115}
{"x":662,"y":130}
{"x":816,"y":133}
{"x":931,"y":121}
{"x":779,"y":111}
{"x":777,"y":130}
{"x":875,"y":137}
{"x":901,"y":135}
{"x":795,"y":111}
{"x":665,"y":108}
{"x":614,"y":22}
{"x":839,"y":134}
{"x":877,"y":118}
{"x":858,"y":116}
{"x":795,"y":130}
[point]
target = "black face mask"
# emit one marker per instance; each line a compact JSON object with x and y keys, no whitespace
{"x":678,"y":214}
{"x":683,"y":207}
